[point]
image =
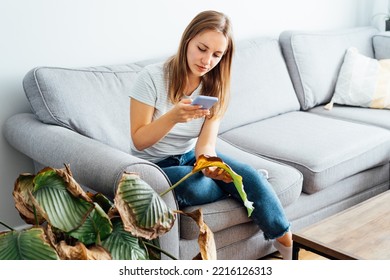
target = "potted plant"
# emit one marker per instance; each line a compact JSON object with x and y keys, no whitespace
{"x":69,"y":223}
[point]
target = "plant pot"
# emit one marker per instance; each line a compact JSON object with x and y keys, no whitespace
{"x":387,"y":25}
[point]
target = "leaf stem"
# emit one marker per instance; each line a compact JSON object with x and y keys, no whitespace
{"x":177,"y":183}
{"x":35,"y":216}
{"x":159,"y":249}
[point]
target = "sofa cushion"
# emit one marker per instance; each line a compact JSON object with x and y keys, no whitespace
{"x":363,"y":82}
{"x":376,"y":117}
{"x":339,"y":196}
{"x":381,"y":44}
{"x":91,"y":101}
{"x":260,"y":86}
{"x":286,"y":180}
{"x":314,"y":59}
{"x":325,"y":150}
{"x":231,"y":243}
{"x":218,"y":216}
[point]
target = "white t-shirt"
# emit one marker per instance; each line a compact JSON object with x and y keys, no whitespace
{"x":150,"y":88}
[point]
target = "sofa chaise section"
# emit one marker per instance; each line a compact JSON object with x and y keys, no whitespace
{"x":314,"y":60}
{"x":331,"y":153}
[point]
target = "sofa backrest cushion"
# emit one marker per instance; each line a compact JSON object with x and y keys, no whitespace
{"x":94,"y":101}
{"x":381,"y":43}
{"x":261,"y":87}
{"x":314,"y":59}
{"x":91,"y":101}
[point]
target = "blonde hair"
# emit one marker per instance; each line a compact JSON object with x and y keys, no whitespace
{"x":217,"y":81}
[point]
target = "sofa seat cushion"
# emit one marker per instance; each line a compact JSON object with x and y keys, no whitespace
{"x":91,"y":101}
{"x":224,"y":239}
{"x":337,"y":197}
{"x":325,"y":150}
{"x":286,"y":180}
{"x":377,"y":117}
{"x":218,"y":215}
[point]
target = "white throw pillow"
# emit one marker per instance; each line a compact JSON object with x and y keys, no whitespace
{"x":363,"y":82}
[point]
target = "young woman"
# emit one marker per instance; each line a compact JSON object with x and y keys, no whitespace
{"x":167,"y":130}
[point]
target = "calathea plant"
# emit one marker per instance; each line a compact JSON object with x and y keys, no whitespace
{"x":69,"y":223}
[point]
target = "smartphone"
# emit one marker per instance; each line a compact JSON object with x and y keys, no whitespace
{"x":206,"y":101}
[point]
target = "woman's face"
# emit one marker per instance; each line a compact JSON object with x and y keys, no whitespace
{"x":205,"y":51}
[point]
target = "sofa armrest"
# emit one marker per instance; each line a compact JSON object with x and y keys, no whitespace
{"x":93,"y":164}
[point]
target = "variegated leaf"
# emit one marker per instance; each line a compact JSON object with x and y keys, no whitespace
{"x":61,"y":209}
{"x":96,"y":227}
{"x":30,"y":244}
{"x":142,"y":210}
{"x":122,"y":245}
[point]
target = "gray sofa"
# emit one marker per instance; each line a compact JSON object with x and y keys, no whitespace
{"x":319,"y":161}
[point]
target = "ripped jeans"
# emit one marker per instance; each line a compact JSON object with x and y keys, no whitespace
{"x":198,"y":189}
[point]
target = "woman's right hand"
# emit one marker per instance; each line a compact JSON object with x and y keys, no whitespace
{"x":145,"y":132}
{"x":217,"y":173}
{"x":183,"y":111}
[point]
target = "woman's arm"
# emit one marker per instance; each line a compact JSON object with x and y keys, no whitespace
{"x":146,"y":132}
{"x":206,"y":144}
{"x":207,"y":139}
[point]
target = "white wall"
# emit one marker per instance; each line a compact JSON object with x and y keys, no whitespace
{"x":380,"y":12}
{"x":73,"y":33}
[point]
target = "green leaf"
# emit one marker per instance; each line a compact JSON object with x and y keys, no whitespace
{"x":103,"y":201}
{"x":61,"y":208}
{"x":154,"y":249}
{"x":142,"y":210}
{"x":97,"y":226}
{"x":26,"y":245}
{"x":122,"y":245}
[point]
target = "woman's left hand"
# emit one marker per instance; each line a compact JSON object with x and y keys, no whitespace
{"x":217,"y":174}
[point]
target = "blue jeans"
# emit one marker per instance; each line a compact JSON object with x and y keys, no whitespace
{"x":198,"y":189}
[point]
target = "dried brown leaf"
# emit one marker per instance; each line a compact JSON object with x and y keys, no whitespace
{"x":208,"y":250}
{"x":80,"y":252}
{"x":66,"y":252}
{"x":141,"y":209}
{"x":22,"y":197}
{"x":72,"y":186}
{"x":98,"y":253}
{"x":77,"y":252}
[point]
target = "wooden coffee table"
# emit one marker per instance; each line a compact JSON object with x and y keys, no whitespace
{"x":360,"y":232}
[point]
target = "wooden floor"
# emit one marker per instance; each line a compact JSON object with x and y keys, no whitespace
{"x":303,"y":255}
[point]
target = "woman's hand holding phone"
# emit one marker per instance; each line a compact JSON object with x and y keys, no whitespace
{"x":186,"y":111}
